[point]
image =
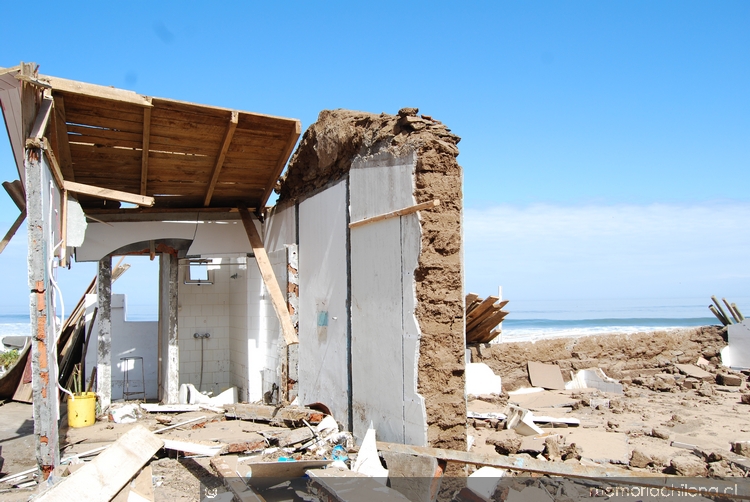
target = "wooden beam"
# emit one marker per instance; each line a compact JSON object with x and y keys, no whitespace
{"x":54,"y":165}
{"x":96,"y":91}
{"x":234,"y":483}
{"x":220,"y":158}
{"x":15,"y":190}
{"x":401,"y":212}
{"x":64,"y":229}
{"x":13,"y":229}
{"x":106,"y":193}
{"x":481,"y":309}
{"x":145,"y":148}
{"x":524,"y":465}
{"x":62,"y":141}
{"x":42,"y":119}
{"x":293,"y":137}
{"x":104,"y":477}
{"x":269,"y":278}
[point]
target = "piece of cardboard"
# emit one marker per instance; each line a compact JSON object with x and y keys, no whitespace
{"x":694,"y":371}
{"x":547,"y":376}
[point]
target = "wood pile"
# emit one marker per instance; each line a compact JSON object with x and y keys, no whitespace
{"x":483,"y":317}
{"x":722,"y":316}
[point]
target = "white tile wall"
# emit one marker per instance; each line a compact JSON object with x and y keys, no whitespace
{"x":243,"y":348}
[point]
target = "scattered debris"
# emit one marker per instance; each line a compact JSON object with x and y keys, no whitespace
{"x":482,"y":317}
{"x":594,"y":378}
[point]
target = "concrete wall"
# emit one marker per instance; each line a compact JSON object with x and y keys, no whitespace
{"x":323,"y":330}
{"x":129,"y":338}
{"x":385,"y":333}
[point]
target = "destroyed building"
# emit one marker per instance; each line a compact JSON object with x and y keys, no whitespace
{"x":348,"y":292}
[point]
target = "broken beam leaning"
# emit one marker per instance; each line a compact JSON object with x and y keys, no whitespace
{"x":106,"y":193}
{"x":269,"y":278}
{"x":401,"y":212}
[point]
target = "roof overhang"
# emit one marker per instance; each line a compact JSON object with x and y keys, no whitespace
{"x":185,"y":156}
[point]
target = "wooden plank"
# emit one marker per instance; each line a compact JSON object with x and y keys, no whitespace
{"x":480,"y":318}
{"x":16,"y":191}
{"x":483,"y":307}
{"x":97,"y":91}
{"x":106,"y":193}
{"x":62,"y":141}
{"x":54,"y":165}
{"x":269,"y":278}
{"x":401,"y":212}
{"x":470,"y":298}
{"x":42,"y":119}
{"x":220,"y":158}
{"x":522,"y":464}
{"x":194,"y":448}
{"x":64,"y":229}
{"x":281,"y":162}
{"x":12,"y":231}
{"x":489,"y":322}
{"x":145,"y":149}
{"x":234,"y":482}
{"x":104,"y":477}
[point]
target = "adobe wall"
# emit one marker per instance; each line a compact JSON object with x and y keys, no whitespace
{"x":620,"y":356}
{"x":325,"y":154}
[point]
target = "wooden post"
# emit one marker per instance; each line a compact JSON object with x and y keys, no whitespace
{"x":104,"y":355}
{"x":43,"y":347}
{"x":269,"y":279}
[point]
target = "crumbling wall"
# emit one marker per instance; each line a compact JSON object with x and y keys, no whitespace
{"x":325,"y":155}
{"x":620,"y":356}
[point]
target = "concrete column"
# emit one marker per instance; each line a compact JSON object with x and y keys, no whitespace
{"x":43,"y":347}
{"x":104,"y":355}
{"x":169,"y":352}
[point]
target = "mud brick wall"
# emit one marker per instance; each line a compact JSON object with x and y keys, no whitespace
{"x":325,"y":154}
{"x":618,"y":355}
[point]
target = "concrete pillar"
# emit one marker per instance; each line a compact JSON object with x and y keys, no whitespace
{"x":169,"y":353}
{"x":104,"y":355}
{"x":43,"y":347}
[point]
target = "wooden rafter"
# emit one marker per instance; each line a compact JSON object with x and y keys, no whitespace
{"x":145,"y":149}
{"x":42,"y":119}
{"x":220,"y":158}
{"x":96,"y":91}
{"x":105,"y":193}
{"x":61,"y":143}
{"x":293,"y":137}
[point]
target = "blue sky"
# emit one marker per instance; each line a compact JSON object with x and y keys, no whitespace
{"x":605,"y":145}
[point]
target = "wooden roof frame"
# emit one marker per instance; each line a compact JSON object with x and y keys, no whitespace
{"x":182,"y":156}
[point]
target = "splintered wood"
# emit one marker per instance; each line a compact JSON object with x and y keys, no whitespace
{"x":482,"y":317}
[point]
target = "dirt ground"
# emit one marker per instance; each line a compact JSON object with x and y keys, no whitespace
{"x":664,"y":421}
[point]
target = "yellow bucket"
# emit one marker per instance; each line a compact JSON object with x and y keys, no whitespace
{"x":82,"y":410}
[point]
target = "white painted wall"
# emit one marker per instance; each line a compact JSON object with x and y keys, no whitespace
{"x":210,"y":238}
{"x":280,"y":228}
{"x":322,"y":304}
{"x":385,"y":333}
{"x":129,"y":338}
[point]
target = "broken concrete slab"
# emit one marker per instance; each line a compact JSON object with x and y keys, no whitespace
{"x":729,"y":380}
{"x":417,"y":477}
{"x":289,"y":415}
{"x":594,"y":378}
{"x":547,"y":376}
{"x":694,"y":371}
{"x":234,"y":483}
{"x":599,"y":446}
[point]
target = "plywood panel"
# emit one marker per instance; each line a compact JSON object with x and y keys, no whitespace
{"x":323,"y":373}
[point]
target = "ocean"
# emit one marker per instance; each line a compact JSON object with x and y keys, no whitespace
{"x":537,"y":319}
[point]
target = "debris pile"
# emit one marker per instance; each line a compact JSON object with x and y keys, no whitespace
{"x":483,"y":317}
